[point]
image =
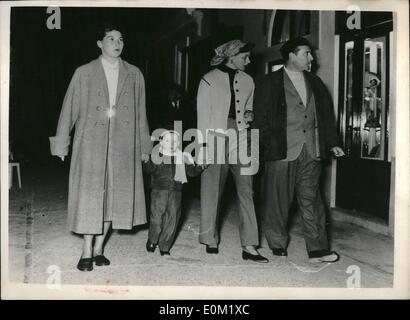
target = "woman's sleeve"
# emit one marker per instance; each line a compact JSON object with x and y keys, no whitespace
{"x":60,"y":143}
{"x":204,"y":107}
{"x":146,"y":143}
{"x":249,"y":102}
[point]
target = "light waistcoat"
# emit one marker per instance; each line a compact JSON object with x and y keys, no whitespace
{"x":300,"y":121}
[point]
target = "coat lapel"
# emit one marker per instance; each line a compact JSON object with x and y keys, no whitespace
{"x":122,"y":76}
{"x":308,"y":87}
{"x":99,"y":74}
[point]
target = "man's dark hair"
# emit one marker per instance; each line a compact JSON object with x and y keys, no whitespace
{"x":291,"y":46}
{"x":104,"y":29}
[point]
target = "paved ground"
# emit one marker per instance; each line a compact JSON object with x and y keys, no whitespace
{"x":38,"y":239}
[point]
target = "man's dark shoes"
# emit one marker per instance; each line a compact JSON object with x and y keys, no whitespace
{"x":280,"y":252}
{"x":85,"y":264}
{"x":165,"y":253}
{"x":325,"y":256}
{"x":150,"y":246}
{"x":254,"y":257}
{"x":212,"y":250}
{"x":101,"y":260}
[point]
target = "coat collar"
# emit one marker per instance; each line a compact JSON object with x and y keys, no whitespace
{"x":123,"y":73}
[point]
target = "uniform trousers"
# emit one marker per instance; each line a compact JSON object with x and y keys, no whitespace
{"x":212,"y":185}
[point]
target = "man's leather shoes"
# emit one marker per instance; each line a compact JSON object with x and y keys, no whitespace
{"x":254,"y":257}
{"x":101,"y":260}
{"x":280,"y":252}
{"x":85,"y":264}
{"x":165,"y":253}
{"x":150,"y":246}
{"x":323,"y":256}
{"x":212,"y":250}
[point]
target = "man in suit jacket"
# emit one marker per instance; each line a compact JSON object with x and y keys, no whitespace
{"x":294,"y":113}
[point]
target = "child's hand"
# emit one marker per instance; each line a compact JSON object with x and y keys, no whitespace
{"x":145,"y":157}
{"x":204,"y":166}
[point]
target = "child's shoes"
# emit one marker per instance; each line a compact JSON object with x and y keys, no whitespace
{"x":150,"y":246}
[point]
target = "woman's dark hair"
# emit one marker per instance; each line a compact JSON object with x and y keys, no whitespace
{"x":104,"y":29}
{"x":291,"y":45}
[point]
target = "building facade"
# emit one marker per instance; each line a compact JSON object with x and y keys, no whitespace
{"x":355,"y":57}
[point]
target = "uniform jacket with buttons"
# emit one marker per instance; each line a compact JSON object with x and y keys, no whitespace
{"x":214,"y":99}
{"x":271,"y":115}
{"x":85,"y":107}
{"x":213,"y":103}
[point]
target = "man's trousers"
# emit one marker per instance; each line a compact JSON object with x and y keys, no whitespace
{"x":281,"y":180}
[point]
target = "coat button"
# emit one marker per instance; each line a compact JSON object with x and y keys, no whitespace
{"x":99,"y":93}
{"x":239,"y":122}
{"x":125,"y":93}
{"x":236,"y":81}
{"x":125,"y":107}
{"x":98,"y":108}
{"x":305,"y":117}
{"x":239,"y":111}
{"x":304,"y":131}
{"x":237,"y":101}
{"x":237,"y":90}
{"x":126,"y":122}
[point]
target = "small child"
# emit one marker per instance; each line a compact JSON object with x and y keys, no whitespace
{"x":168,"y":172}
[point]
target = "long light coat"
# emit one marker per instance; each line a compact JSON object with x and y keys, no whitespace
{"x":85,"y":106}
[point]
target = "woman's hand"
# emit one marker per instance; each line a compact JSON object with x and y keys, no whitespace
{"x":145,"y":157}
{"x":248,"y":116}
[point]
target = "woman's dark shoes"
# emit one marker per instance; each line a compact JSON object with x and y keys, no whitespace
{"x":101,"y":260}
{"x":212,"y":250}
{"x":150,"y":246}
{"x":254,"y":257}
{"x":85,"y":264}
{"x":165,"y":253}
{"x":280,"y":252}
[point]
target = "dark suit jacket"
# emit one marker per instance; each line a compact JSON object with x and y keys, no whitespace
{"x":271,"y":115}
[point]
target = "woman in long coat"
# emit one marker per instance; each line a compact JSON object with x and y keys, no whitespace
{"x":105,"y":102}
